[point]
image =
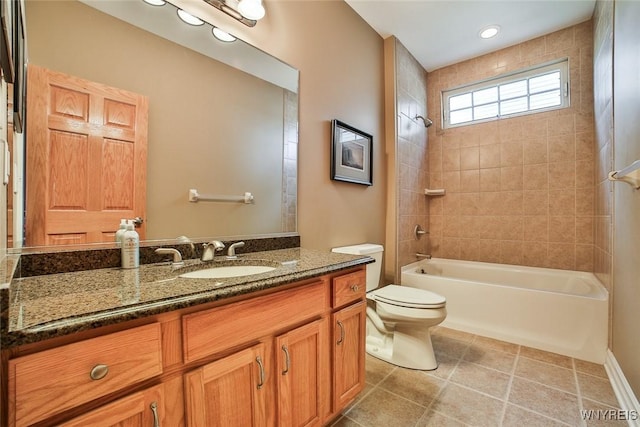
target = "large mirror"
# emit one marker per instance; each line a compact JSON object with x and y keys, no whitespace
{"x":223,"y":126}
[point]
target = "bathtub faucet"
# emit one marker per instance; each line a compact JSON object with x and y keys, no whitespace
{"x":419,"y":255}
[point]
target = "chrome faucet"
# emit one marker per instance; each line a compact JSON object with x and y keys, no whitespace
{"x":210,"y":250}
{"x":231,"y":254}
{"x":177,"y":256}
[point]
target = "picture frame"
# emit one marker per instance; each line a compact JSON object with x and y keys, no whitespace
{"x":20,"y":72}
{"x":6,"y":39}
{"x":351,"y":154}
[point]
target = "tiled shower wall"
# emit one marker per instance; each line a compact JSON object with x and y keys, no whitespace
{"x":603,"y":147}
{"x":290,"y":158}
{"x":411,"y":93}
{"x":518,"y":190}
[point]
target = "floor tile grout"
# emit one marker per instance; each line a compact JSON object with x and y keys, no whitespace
{"x":456,"y":348}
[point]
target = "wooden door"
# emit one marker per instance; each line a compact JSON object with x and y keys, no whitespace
{"x":228,"y":392}
{"x":299,"y":367}
{"x":142,"y":409}
{"x":86,"y":154}
{"x":349,"y":332}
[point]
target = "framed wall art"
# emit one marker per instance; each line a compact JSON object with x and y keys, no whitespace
{"x":351,"y":154}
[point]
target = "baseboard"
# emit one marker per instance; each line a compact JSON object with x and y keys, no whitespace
{"x":626,"y":398}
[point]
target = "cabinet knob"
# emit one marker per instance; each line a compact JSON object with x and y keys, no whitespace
{"x":99,"y":372}
{"x":355,"y":288}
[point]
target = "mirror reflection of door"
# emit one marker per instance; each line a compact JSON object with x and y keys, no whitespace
{"x":86,"y":151}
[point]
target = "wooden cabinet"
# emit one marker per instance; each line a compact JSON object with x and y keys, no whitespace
{"x":288,"y":358}
{"x":228,"y":392}
{"x":348,"y":353}
{"x":51,"y":381}
{"x":300,"y":362}
{"x":142,"y":409}
{"x":348,"y":340}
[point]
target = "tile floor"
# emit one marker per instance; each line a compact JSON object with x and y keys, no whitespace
{"x":482,"y":382}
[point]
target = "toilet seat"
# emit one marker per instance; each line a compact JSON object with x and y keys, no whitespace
{"x":405,"y":296}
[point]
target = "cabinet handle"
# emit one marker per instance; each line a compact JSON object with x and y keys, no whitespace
{"x":355,"y":288}
{"x":154,"y":410}
{"x":286,"y":360}
{"x":261,"y":381}
{"x":341,"y":340}
{"x":99,"y":372}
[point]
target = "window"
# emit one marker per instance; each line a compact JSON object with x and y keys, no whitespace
{"x":542,"y":88}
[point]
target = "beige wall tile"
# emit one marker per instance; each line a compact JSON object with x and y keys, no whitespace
{"x":490,"y":179}
{"x":536,"y":202}
{"x":469,"y":158}
{"x":490,"y":156}
{"x":511,"y":178}
{"x":534,"y":151}
{"x":525,"y":186}
{"x":470,"y":181}
{"x":536,"y":228}
{"x":535,"y":177}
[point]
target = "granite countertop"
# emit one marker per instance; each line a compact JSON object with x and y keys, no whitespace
{"x":42,"y":307}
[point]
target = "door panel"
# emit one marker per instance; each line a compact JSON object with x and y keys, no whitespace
{"x":86,"y":158}
{"x":299,"y":370}
{"x":143,"y":409}
{"x":348,"y":353}
{"x":228,"y":392}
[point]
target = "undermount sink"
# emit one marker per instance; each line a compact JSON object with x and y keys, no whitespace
{"x":227,"y":271}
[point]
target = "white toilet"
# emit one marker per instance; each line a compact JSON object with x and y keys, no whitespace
{"x":398,"y":317}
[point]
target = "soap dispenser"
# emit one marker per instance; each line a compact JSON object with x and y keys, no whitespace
{"x":130,"y":247}
{"x":120,"y":232}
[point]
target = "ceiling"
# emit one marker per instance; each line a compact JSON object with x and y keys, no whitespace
{"x":443,"y":32}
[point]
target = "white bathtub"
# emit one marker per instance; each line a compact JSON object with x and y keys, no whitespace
{"x":561,"y":311}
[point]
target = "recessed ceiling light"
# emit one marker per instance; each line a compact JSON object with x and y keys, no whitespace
{"x":222,"y":35}
{"x":189,"y":19}
{"x":155,"y":2}
{"x":490,"y":31}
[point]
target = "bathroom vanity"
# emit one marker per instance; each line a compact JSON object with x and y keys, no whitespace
{"x":151,"y":348}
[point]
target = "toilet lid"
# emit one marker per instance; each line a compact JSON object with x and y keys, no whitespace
{"x":408,"y":297}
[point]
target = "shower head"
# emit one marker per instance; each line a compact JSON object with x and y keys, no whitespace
{"x":427,"y":121}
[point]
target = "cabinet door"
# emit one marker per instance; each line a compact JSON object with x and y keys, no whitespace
{"x":228,"y":392}
{"x":300,"y":369}
{"x":142,"y":409}
{"x":349,"y":330}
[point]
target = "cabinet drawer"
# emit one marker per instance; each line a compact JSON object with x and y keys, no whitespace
{"x":52,"y":381}
{"x":211,"y":331}
{"x":349,"y":287}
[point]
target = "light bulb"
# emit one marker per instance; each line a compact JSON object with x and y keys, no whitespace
{"x":155,"y":2}
{"x":189,"y":18}
{"x":222,"y":35}
{"x":251,"y":9}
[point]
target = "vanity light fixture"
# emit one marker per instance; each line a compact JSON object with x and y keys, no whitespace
{"x":189,"y":18}
{"x":251,"y":9}
{"x":155,"y":2}
{"x":237,"y":14}
{"x":222,"y":35}
{"x":489,"y":32}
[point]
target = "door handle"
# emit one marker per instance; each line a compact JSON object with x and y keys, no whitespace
{"x":341,"y":340}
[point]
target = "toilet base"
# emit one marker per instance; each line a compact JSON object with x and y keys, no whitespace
{"x":408,"y":348}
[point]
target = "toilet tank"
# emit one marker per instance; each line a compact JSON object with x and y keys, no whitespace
{"x":373,"y":269}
